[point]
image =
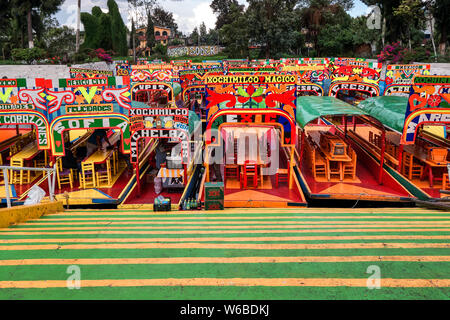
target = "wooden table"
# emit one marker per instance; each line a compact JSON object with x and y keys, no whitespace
{"x":98,"y":157}
{"x":29,"y":152}
{"x":243,"y":149}
{"x":330,"y":157}
{"x":422,"y":155}
{"x":375,"y":149}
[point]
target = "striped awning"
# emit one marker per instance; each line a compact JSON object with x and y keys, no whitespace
{"x":170,"y":173}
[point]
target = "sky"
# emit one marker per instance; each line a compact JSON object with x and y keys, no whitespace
{"x":187,"y":13}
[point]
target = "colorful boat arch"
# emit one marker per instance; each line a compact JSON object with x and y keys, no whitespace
{"x":371,"y":89}
{"x":196,"y":88}
{"x":178,"y":134}
{"x":30,"y":118}
{"x":262,"y":116}
{"x":153,"y":86}
{"x":397,"y":90}
{"x":313,"y":88}
{"x":100,"y":121}
{"x":428,"y":103}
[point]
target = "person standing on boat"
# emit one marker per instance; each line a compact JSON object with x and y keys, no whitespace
{"x":95,"y":141}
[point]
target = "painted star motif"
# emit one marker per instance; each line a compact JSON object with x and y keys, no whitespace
{"x":79,"y":98}
{"x":14,"y":99}
{"x":97,"y":98}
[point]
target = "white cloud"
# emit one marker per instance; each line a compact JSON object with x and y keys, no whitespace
{"x":188,"y":14}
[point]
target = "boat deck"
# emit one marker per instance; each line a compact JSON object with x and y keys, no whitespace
{"x":364,"y":187}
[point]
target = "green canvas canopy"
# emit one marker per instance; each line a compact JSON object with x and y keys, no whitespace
{"x":310,"y":108}
{"x":389,"y":110}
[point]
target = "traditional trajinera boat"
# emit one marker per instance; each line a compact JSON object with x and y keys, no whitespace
{"x":233,"y":133}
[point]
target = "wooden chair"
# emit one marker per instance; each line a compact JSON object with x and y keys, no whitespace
{"x":87,"y":175}
{"x":41,"y":160}
{"x":332,"y":171}
{"x":282,"y":175}
{"x":231,"y":171}
{"x":410,"y":168}
{"x":249,"y":170}
{"x":371,"y":137}
{"x":445,"y":182}
{"x":104,"y":174}
{"x":64,"y":176}
{"x":20,"y":176}
{"x":319,"y":165}
{"x":377,"y":140}
{"x":349,"y":168}
{"x":437,"y":154}
{"x":115,"y":162}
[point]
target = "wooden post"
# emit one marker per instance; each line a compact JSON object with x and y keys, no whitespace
{"x":291,"y":168}
{"x":302,"y":147}
{"x":354,"y":124}
{"x":207,"y":163}
{"x":400,"y":158}
{"x":138,"y":180}
{"x":383,"y":147}
{"x":345,"y":126}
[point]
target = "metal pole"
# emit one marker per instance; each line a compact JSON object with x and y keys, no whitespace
{"x":49,"y":186}
{"x":5,"y":178}
{"x":383,"y":148}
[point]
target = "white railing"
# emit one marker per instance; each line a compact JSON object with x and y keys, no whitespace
{"x":51,"y":180}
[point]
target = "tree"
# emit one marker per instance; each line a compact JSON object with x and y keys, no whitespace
{"x":222,"y":8}
{"x":235,"y":35}
{"x":203,"y":34}
{"x":441,"y":12}
{"x":164,"y":18}
{"x":59,"y":41}
{"x":391,"y":26}
{"x":105,"y":32}
{"x":118,"y":29}
{"x":91,"y":25}
{"x":32,"y":11}
{"x":412,"y":13}
{"x":194,"y":37}
{"x":77,"y":46}
{"x":273,"y":24}
{"x":150,"y":35}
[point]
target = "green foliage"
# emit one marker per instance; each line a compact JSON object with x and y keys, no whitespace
{"x":194,"y":37}
{"x":14,"y":23}
{"x":164,"y":18}
{"x":273,"y":23}
{"x":28,"y":55}
{"x":118,"y":29}
{"x":59,"y":41}
{"x":223,"y":10}
{"x":91,"y":28}
{"x":160,"y":50}
{"x":104,"y":32}
{"x":235,"y":35}
{"x":150,"y":35}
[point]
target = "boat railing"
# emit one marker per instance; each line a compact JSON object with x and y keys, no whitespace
{"x":51,"y":176}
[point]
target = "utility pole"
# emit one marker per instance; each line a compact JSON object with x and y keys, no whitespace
{"x":77,"y":46}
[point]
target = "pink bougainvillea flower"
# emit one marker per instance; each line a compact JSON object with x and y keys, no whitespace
{"x":434,"y":100}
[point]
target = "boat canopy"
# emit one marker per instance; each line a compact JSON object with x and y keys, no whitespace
{"x":310,"y":108}
{"x":389,"y":110}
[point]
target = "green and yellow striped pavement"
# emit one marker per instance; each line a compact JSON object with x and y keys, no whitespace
{"x":301,"y":253}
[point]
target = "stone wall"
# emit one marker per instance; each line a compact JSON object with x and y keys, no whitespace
{"x":48,"y":71}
